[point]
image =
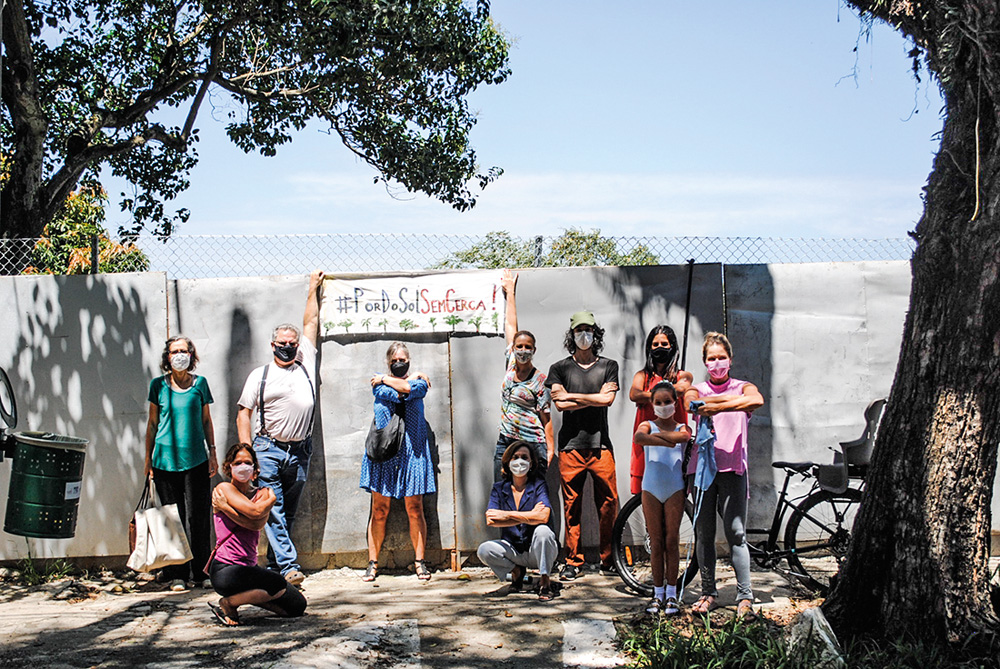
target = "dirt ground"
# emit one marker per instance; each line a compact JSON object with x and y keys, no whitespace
{"x":465,"y":619}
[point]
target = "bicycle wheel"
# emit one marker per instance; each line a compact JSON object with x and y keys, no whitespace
{"x":630,"y":546}
{"x":818,"y":534}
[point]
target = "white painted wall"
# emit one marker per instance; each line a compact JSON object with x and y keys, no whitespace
{"x":821,"y":340}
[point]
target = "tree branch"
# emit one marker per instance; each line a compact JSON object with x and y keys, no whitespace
{"x":262,"y":96}
{"x":901,"y":14}
{"x":64,"y":181}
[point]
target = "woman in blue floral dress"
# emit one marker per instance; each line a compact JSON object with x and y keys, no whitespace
{"x":409,"y":475}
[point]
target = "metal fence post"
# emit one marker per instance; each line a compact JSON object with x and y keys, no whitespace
{"x":538,"y":250}
{"x":94,"y":256}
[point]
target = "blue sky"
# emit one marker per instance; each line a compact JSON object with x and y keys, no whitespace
{"x":731,"y":118}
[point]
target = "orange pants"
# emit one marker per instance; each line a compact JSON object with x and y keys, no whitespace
{"x":573,"y":468}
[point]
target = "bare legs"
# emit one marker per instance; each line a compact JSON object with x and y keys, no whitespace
{"x":379,"y":515}
{"x":663,"y":522}
{"x":418,"y":524}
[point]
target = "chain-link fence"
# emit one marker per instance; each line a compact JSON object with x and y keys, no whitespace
{"x":204,"y":256}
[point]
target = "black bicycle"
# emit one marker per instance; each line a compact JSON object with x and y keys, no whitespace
{"x":814,"y":545}
{"x":815,"y":539}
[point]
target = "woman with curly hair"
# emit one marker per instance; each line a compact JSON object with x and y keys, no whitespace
{"x":178,"y":429}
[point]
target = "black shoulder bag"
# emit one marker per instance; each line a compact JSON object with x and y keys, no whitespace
{"x":383,"y":443}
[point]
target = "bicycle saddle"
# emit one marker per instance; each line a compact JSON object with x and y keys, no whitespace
{"x":794,"y":466}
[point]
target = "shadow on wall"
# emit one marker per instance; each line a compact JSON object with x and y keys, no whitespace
{"x":749,"y":316}
{"x":81,"y":365}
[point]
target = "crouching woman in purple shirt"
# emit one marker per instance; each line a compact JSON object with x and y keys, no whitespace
{"x":519,"y":506}
{"x":241,"y":511}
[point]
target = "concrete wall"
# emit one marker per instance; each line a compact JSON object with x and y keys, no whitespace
{"x":820,"y":340}
{"x":80,"y":352}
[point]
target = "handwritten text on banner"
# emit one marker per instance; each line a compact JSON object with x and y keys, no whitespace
{"x":441,"y":302}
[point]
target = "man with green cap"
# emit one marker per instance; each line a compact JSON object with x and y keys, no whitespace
{"x":583,"y":386}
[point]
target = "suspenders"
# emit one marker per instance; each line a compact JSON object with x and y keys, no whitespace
{"x":260,"y":401}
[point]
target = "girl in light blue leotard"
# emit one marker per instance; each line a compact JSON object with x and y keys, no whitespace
{"x":663,"y":440}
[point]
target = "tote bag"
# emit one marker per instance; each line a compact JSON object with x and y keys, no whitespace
{"x":383,"y":443}
{"x":159,"y":534}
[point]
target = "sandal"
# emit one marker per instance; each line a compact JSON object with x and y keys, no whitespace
{"x":221,"y":616}
{"x":744,"y":610}
{"x":517,"y":579}
{"x":372,"y":572}
{"x":546,"y":593}
{"x":704,"y":604}
{"x":423,"y":572}
{"x":671,"y":607}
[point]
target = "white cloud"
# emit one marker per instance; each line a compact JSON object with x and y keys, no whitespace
{"x":618,"y":204}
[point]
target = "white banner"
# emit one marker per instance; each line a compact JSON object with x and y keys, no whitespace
{"x":441,"y":302}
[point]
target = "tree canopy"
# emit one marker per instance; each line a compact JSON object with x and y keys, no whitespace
{"x":573,"y":248}
{"x":120,"y":83}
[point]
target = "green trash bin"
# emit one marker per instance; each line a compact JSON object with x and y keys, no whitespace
{"x":45,"y":485}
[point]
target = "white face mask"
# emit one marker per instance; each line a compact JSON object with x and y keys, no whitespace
{"x":180,"y":361}
{"x":663,"y":410}
{"x":523,"y":356}
{"x":519,"y":467}
{"x":242,"y":472}
{"x":583,"y":340}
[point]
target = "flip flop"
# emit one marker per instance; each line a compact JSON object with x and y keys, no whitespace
{"x":546,"y":594}
{"x":221,"y":616}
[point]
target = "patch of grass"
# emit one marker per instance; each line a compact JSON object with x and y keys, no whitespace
{"x":763,"y":644}
{"x":916,"y":654}
{"x":31,"y":574}
{"x":758,"y":644}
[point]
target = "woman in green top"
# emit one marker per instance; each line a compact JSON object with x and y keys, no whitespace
{"x":178,"y":429}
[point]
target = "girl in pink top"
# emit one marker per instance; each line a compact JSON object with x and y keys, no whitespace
{"x":241,"y":511}
{"x":729,"y":402}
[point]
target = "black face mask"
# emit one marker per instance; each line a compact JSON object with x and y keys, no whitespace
{"x":286,"y":353}
{"x":661,"y":355}
{"x":399,"y":369}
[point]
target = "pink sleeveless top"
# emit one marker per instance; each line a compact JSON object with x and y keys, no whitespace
{"x":237,"y":545}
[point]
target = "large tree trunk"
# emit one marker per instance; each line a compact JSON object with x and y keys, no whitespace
{"x":918,"y":563}
{"x":22,"y":210}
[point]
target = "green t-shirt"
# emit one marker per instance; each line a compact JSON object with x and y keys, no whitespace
{"x":180,"y":436}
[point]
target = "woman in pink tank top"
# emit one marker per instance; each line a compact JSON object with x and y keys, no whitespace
{"x":729,"y":402}
{"x":241,"y":511}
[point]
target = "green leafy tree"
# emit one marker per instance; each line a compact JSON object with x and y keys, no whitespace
{"x":384,"y":324}
{"x":433,"y":321}
{"x":366,"y":322}
{"x":90,"y":85}
{"x":577,"y":248}
{"x":65,"y":246}
{"x":346,"y":324}
{"x":497,"y":250}
{"x":452,"y":320}
{"x":476,"y":321}
{"x":406,"y":324}
{"x":573,"y":248}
